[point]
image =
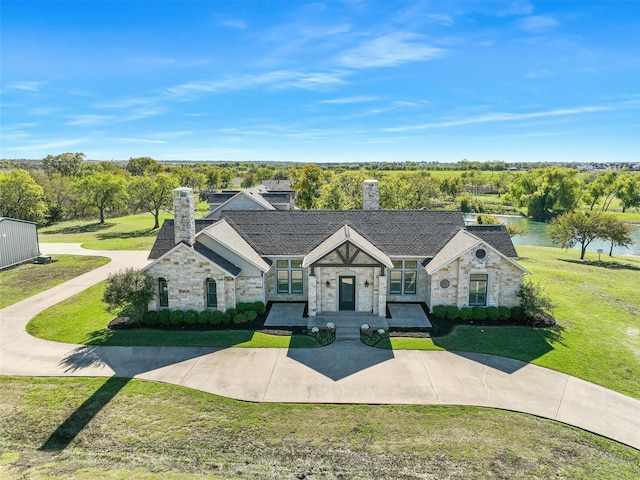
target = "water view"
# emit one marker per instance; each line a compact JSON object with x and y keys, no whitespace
{"x":538,"y":235}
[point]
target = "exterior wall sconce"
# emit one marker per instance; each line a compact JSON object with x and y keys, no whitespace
{"x":366,"y":283}
{"x":328,"y":284}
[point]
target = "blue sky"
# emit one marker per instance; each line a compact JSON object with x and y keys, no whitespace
{"x":352,"y":80}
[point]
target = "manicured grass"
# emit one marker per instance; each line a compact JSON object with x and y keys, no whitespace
{"x":133,"y":232}
{"x":30,"y":279}
{"x":83,"y":318}
{"x":120,"y":428}
{"x":598,"y":333}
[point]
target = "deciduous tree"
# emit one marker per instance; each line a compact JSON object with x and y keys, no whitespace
{"x":100,"y":191}
{"x":141,"y":166}
{"x":617,"y":233}
{"x":21,"y":197}
{"x":578,"y":227}
{"x":66,"y":164}
{"x":308,"y":182}
{"x":152,"y":194}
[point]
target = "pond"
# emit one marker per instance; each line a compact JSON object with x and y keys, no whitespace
{"x":538,"y":235}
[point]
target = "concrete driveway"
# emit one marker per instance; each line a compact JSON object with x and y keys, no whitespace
{"x":344,"y":372}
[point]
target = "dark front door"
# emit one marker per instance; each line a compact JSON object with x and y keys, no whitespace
{"x":347,"y":293}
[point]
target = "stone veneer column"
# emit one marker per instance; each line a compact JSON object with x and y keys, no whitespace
{"x":221,"y":294}
{"x":371,"y":195}
{"x":184,"y":223}
{"x":311,"y":296}
{"x":382,"y":296}
{"x":376,"y":294}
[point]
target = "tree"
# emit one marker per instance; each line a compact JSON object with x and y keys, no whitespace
{"x":629,"y":192}
{"x":128,"y":293}
{"x":452,"y":187}
{"x":141,"y":166}
{"x":308,"y":182}
{"x":250,"y":179}
{"x":21,"y":197}
{"x":226,"y":177}
{"x":58,"y":195}
{"x":100,"y":191}
{"x":152,"y":194}
{"x":535,"y":302}
{"x":187,"y":177}
{"x":578,"y":227}
{"x":617,"y":232}
{"x":546,"y":192}
{"x":66,"y":164}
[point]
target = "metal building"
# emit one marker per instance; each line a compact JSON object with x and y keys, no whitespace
{"x":18,"y":242}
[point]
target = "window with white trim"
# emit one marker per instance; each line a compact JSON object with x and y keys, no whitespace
{"x":403,"y":278}
{"x":289,"y":276}
{"x":212,"y":293}
{"x":478,"y":290}
{"x":163,"y":292}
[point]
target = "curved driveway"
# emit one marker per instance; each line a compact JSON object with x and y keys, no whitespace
{"x":345,"y":372}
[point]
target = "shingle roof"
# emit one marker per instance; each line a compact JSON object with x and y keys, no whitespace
{"x":217,"y":259}
{"x":497,"y":236}
{"x":297,"y":232}
{"x":165,"y":240}
{"x":420,"y":233}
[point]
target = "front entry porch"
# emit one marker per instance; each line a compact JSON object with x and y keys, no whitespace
{"x":348,"y":323}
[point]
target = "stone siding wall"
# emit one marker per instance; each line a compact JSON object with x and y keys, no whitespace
{"x":329,"y":295}
{"x":272,"y":287}
{"x":186,"y":273}
{"x":421,"y":289}
{"x":504,"y":280}
{"x":249,"y":289}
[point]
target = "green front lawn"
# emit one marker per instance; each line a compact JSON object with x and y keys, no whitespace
{"x":133,"y":232}
{"x":119,"y":428}
{"x":598,"y":333}
{"x":30,"y":279}
{"x":82,"y":319}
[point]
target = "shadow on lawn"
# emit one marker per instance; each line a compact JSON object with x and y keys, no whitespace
{"x":608,"y":265}
{"x":89,"y":228}
{"x":123,"y":235}
{"x":126,"y":363}
{"x":520,"y":343}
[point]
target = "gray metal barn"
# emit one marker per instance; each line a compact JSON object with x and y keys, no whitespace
{"x":18,"y":242}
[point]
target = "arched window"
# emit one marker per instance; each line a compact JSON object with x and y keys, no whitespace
{"x":212,"y":293}
{"x":163,"y":292}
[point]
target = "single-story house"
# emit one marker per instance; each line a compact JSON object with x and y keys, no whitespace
{"x":18,"y":242}
{"x":260,"y":197}
{"x":354,"y":260}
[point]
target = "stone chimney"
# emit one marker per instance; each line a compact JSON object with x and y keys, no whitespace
{"x":371,"y":195}
{"x":184,"y":223}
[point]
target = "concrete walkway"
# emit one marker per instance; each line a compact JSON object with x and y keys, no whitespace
{"x":344,"y":372}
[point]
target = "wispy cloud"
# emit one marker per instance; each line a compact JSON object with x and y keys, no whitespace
{"x":28,"y":86}
{"x":44,"y":147}
{"x":88,"y":120}
{"x":349,"y":100}
{"x":276,"y":79}
{"x":390,"y":50}
{"x":536,"y":23}
{"x":236,"y":24}
{"x":502,"y":117}
{"x":137,"y":140}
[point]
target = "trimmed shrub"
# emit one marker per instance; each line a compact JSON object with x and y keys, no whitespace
{"x":504,"y":313}
{"x":251,"y":315}
{"x":164,"y":317}
{"x":217,"y":318}
{"x":243,"y":307}
{"x":518,"y":315}
{"x":492,"y":313}
{"x":440,"y":311}
{"x":190,"y":317}
{"x":150,"y":318}
{"x":479,"y":313}
{"x":232,"y":312}
{"x":176,"y":317}
{"x":466,"y":314}
{"x":240,"y":318}
{"x":204,"y":317}
{"x":453,"y":312}
{"x":259,"y":307}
